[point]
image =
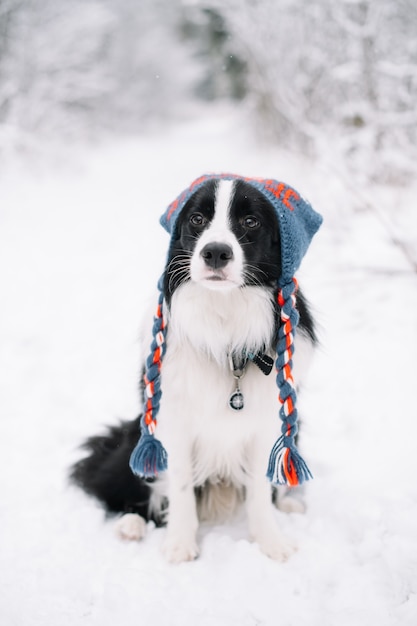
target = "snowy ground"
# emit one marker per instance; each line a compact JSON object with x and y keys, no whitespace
{"x":80,"y":249}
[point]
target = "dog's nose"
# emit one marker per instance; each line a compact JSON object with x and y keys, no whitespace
{"x":217,"y":255}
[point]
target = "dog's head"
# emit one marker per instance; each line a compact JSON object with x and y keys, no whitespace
{"x":226,"y":236}
{"x":229,"y":231}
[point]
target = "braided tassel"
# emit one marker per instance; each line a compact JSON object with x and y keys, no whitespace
{"x":286,"y":467}
{"x":149,"y":456}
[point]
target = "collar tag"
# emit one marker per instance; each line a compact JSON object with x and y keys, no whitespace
{"x":263,"y":361}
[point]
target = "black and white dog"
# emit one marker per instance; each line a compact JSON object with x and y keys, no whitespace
{"x":220,"y":299}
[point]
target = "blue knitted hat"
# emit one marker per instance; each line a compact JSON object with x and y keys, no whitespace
{"x":298,"y":223}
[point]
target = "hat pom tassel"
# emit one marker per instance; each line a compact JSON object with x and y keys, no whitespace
{"x":149,"y":457}
{"x":286,"y":466}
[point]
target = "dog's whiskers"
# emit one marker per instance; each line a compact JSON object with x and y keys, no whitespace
{"x":179,"y":269}
{"x":247,"y":273}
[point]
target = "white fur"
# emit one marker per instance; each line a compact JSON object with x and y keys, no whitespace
{"x":219,"y":322}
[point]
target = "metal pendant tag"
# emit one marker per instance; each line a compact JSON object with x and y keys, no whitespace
{"x":236,"y":401}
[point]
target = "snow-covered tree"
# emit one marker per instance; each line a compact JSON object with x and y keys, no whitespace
{"x":322,"y":72}
{"x":71,"y":68}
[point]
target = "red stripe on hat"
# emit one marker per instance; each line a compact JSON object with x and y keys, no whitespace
{"x":197,"y":182}
{"x":275,"y":189}
{"x":290,"y":193}
{"x":173,"y":207}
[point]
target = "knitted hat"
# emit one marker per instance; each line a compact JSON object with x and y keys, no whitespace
{"x":298,"y":223}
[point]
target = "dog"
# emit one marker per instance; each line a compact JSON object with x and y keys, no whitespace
{"x":218,"y":406}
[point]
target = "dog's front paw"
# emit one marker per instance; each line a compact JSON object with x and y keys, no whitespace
{"x":279,"y":551}
{"x":131,"y":527}
{"x":179,"y":549}
{"x":276,"y":546}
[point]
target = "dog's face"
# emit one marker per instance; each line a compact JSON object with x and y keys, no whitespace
{"x":226,"y":236}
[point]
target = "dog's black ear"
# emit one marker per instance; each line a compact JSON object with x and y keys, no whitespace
{"x":306,"y":322}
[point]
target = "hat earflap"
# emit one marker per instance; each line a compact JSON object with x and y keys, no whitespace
{"x":286,"y":467}
{"x":149,"y":457}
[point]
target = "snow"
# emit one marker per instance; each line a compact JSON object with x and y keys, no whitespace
{"x":81,"y":249}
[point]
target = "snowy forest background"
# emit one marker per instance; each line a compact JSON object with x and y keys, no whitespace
{"x":309,"y":74}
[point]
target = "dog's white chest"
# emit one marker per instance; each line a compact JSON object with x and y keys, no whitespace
{"x":196,"y":414}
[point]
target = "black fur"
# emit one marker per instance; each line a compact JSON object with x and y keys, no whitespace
{"x":254,"y":223}
{"x":105,"y":473}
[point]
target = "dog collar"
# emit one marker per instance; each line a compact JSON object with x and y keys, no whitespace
{"x":262,"y":360}
{"x":238,"y":368}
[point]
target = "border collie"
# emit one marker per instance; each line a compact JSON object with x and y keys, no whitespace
{"x":218,"y":411}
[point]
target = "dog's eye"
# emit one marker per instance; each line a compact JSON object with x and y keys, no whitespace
{"x":197,"y":219}
{"x":250,"y":222}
